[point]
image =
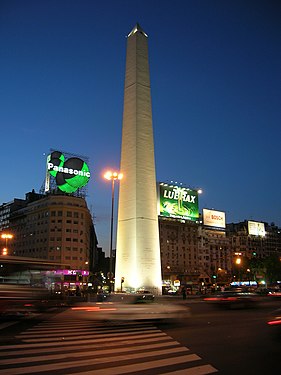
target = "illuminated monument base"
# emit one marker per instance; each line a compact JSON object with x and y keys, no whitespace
{"x":140,"y":268}
{"x":138,"y":260}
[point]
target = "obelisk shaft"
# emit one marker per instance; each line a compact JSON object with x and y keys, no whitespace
{"x":138,"y":250}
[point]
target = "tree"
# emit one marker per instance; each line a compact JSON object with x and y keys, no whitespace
{"x":256,"y":266}
{"x":273,"y":268}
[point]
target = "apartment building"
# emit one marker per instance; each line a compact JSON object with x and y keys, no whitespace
{"x":54,"y":227}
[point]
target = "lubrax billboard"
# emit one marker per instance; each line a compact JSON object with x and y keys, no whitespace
{"x":70,"y":174}
{"x":178,"y":202}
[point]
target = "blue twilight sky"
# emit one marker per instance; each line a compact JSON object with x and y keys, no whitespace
{"x":215,"y":69}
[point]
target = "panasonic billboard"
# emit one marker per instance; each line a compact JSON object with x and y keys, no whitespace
{"x":69,"y":174}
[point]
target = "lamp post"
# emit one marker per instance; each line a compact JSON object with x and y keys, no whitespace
{"x":238,"y":263}
{"x":6,"y":237}
{"x":112,"y":176}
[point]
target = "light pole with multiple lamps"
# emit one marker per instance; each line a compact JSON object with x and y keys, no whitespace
{"x":113,"y":176}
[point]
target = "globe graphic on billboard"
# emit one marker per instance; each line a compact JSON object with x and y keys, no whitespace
{"x":70,"y":174}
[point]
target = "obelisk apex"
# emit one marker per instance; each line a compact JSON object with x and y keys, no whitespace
{"x":138,"y":251}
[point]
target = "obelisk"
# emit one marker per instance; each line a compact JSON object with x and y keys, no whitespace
{"x":138,"y":261}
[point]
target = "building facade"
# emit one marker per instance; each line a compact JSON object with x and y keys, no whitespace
{"x":250,"y":245}
{"x":54,"y":227}
{"x":194,"y":254}
{"x":60,"y":228}
{"x":191,"y":253}
{"x":6,"y":210}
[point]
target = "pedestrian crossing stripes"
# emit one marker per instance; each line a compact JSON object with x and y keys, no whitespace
{"x":7,"y":324}
{"x":66,"y":345}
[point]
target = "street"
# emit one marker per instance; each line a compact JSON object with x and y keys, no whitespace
{"x":233,"y":341}
{"x":212,"y":340}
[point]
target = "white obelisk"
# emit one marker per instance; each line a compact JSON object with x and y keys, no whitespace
{"x":138,"y":260}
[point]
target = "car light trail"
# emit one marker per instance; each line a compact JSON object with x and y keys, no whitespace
{"x":86,"y":308}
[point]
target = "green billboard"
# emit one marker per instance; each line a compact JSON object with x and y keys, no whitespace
{"x":178,"y":202}
{"x":70,"y":174}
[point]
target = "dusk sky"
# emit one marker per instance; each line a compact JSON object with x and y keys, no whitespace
{"x":215,"y":69}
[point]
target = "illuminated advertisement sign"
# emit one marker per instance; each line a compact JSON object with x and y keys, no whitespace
{"x":213,"y":218}
{"x":70,"y":174}
{"x":178,"y":202}
{"x":256,"y":229}
{"x":71,"y":272}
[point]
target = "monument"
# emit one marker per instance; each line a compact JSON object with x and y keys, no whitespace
{"x":138,"y":261}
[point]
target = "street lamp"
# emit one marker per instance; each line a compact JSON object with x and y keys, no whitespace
{"x":238,"y":263}
{"x":112,"y":176}
{"x":6,"y":237}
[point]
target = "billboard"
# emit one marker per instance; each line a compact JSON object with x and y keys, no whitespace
{"x":70,"y":174}
{"x":177,"y":202}
{"x":213,"y":218}
{"x":256,"y":228}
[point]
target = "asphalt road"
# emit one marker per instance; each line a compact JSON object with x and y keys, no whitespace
{"x":233,"y":341}
{"x":210,"y":341}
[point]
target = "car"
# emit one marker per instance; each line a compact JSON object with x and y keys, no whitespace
{"x":234,"y":299}
{"x":20,"y":299}
{"x":274,"y":319}
{"x":275,"y":292}
{"x":132,"y":307}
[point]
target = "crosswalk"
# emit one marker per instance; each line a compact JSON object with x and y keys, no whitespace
{"x":66,"y":345}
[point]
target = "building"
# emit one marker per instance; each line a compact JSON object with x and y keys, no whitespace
{"x":59,"y":228}
{"x":216,"y":255}
{"x":250,"y":243}
{"x":6,"y":210}
{"x":55,"y":227}
{"x":193,"y":254}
